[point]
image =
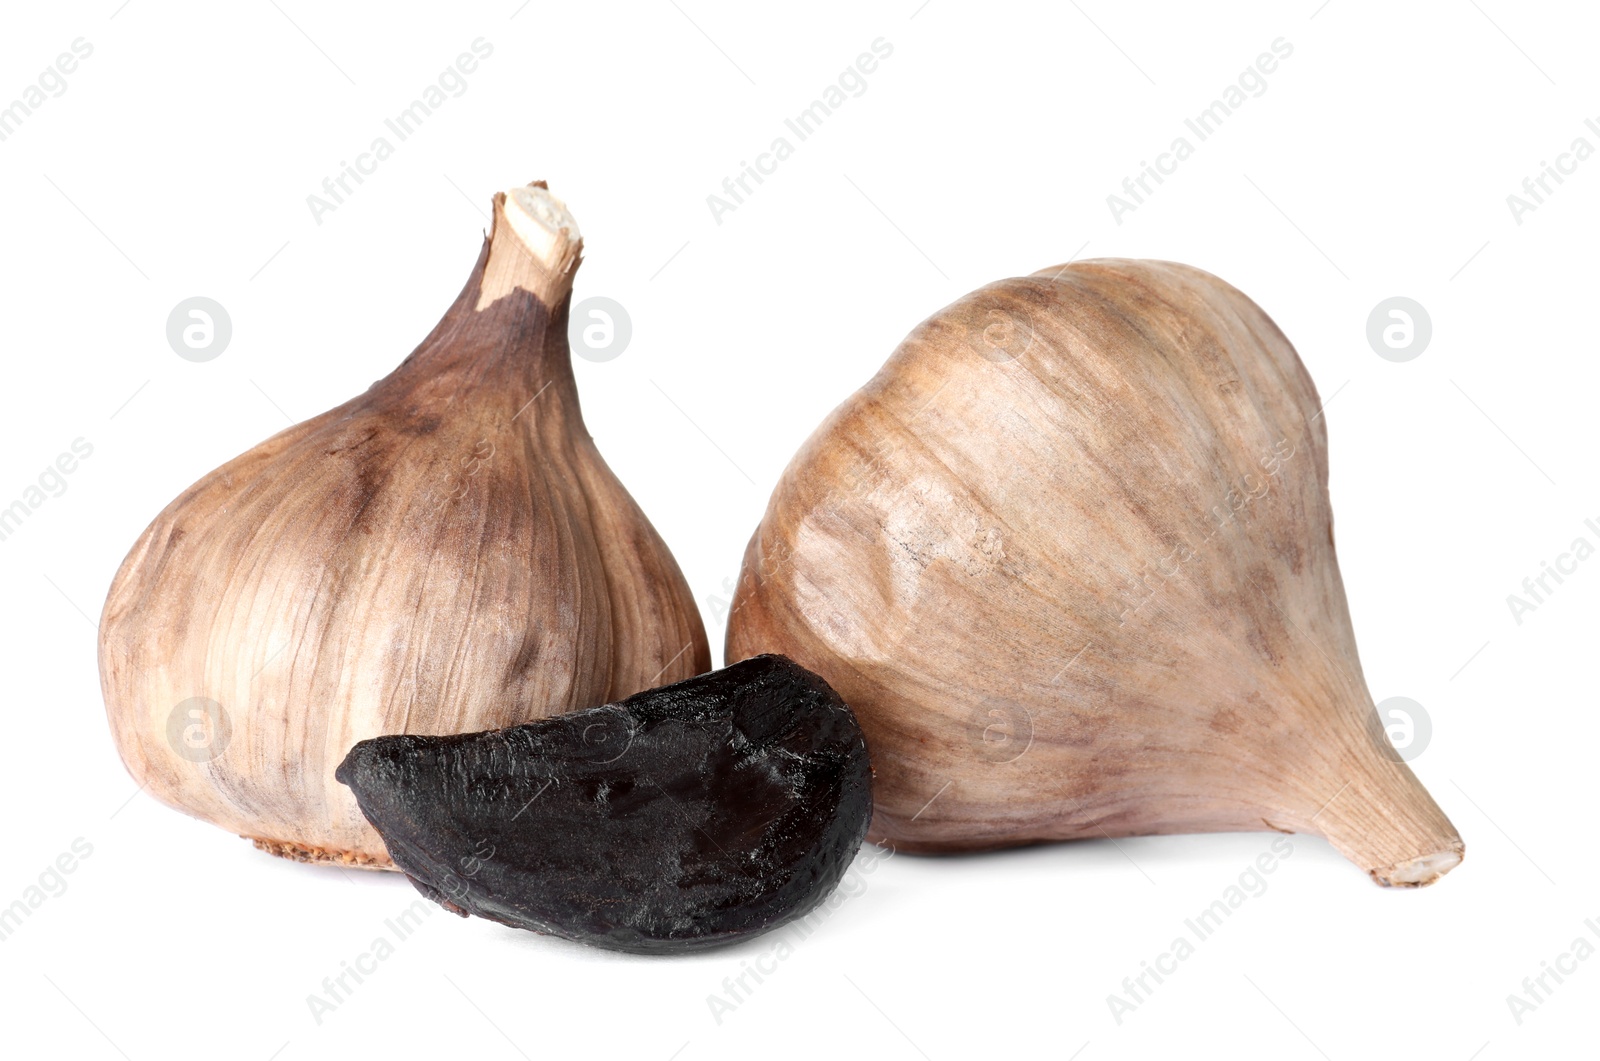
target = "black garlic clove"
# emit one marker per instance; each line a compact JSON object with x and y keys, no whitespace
{"x":685,"y":817}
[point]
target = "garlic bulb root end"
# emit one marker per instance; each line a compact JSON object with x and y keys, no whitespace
{"x":322,"y":856}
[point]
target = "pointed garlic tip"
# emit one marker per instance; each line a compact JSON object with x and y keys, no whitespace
{"x":1380,"y":815}
{"x":535,"y":246}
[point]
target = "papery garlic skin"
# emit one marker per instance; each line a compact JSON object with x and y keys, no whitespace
{"x":1069,"y":557}
{"x":446,"y":553}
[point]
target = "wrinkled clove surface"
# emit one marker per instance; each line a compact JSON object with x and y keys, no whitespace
{"x":686,"y":817}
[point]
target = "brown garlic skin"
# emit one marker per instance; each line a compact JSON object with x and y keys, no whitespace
{"x":1069,"y":557}
{"x":445,"y":553}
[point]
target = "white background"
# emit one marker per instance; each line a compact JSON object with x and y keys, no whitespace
{"x":1377,"y":163}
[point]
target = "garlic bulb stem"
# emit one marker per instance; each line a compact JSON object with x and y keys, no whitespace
{"x":542,"y":222}
{"x":1384,"y":821}
{"x":544,"y":253}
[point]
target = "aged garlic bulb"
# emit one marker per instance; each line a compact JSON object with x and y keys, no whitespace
{"x":1069,"y":557}
{"x":446,"y":553}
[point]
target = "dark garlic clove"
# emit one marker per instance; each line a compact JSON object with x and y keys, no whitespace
{"x":685,"y":817}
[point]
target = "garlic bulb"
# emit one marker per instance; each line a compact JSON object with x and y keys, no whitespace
{"x":445,"y":553}
{"x":1069,"y":556}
